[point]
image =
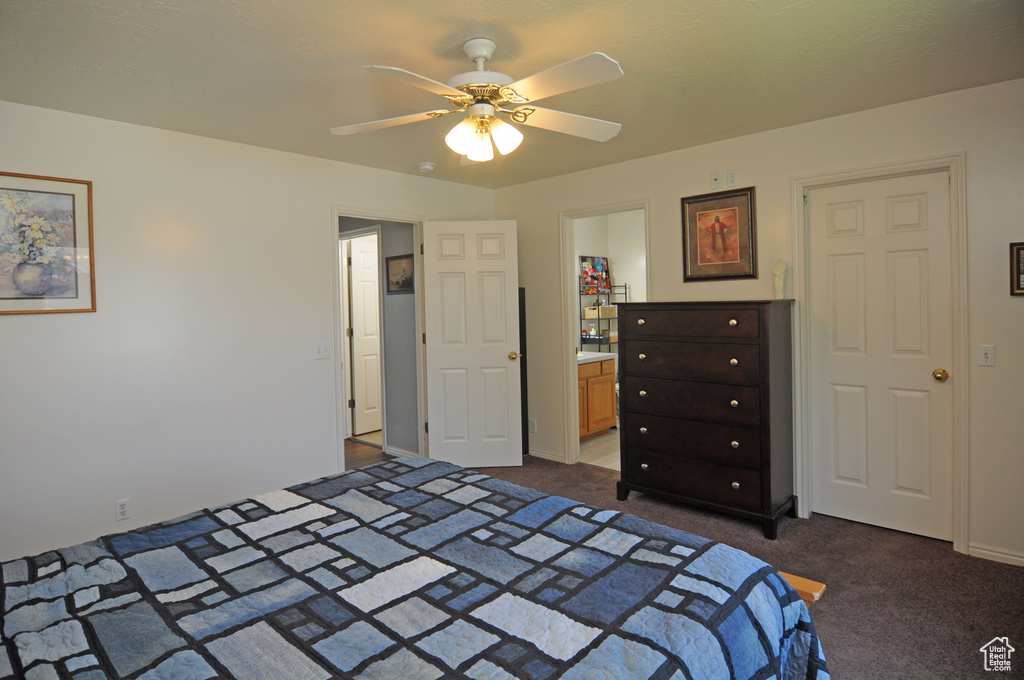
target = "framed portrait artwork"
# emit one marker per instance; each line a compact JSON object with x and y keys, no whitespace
{"x":399,"y":272}
{"x":1017,"y":268}
{"x":720,"y":236}
{"x":46,"y":251}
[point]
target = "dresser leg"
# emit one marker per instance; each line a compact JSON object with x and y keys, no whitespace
{"x":621,"y":491}
{"x":770,"y":526}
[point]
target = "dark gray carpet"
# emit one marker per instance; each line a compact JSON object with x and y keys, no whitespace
{"x":896,"y":605}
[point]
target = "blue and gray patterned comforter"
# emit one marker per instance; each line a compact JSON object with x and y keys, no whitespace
{"x":405,"y":569}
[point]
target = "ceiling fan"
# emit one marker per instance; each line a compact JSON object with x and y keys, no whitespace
{"x":483,"y":94}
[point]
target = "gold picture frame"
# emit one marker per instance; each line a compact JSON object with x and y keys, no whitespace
{"x":47,"y":262}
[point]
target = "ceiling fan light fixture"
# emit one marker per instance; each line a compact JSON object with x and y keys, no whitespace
{"x":506,"y":137}
{"x":482,"y":149}
{"x":461,"y":137}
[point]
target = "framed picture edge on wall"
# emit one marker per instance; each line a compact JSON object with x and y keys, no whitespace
{"x":720,"y":235}
{"x":47,"y":259}
{"x":1017,"y":268}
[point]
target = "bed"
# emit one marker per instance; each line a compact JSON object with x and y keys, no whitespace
{"x":409,"y":568}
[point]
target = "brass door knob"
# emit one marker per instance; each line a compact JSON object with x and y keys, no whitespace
{"x":940,"y":374}
{"x":513,"y":355}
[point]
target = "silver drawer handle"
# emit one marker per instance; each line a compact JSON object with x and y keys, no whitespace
{"x":640,"y":322}
{"x":643,"y":430}
{"x":734,"y":403}
{"x":736,"y":485}
{"x":733,"y":322}
{"x":734,"y":362}
{"x":642,"y":356}
{"x":643,"y":393}
{"x":735,"y":444}
{"x":643,"y":466}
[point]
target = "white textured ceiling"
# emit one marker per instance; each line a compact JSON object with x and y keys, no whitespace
{"x":280,"y":73}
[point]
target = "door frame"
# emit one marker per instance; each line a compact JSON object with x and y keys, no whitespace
{"x":955,"y":165}
{"x":571,"y":305}
{"x":341,"y":374}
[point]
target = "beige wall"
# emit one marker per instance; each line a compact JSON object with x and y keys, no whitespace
{"x":193,"y":383}
{"x":985,"y":123}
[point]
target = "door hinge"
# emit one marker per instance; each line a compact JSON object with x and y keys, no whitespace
{"x":351,"y":403}
{"x":426,"y":427}
{"x":348,"y":332}
{"x":424,"y":338}
{"x":350,"y":262}
{"x":805,"y":198}
{"x":421,"y":249}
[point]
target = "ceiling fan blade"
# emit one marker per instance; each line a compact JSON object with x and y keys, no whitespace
{"x":592,"y":69}
{"x":567,"y":123}
{"x":416,"y":80}
{"x":387,"y":122}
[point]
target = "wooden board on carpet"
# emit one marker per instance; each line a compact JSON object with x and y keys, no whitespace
{"x":808,"y":590}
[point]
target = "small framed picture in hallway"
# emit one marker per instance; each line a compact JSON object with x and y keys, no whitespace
{"x":399,"y":271}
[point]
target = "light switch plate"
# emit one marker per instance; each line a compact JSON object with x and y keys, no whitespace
{"x":986,"y":355}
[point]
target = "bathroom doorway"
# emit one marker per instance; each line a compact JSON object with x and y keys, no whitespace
{"x":612,"y":241}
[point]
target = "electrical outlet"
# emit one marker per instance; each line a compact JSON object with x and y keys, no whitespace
{"x":533,"y":425}
{"x":986,"y":355}
{"x":321,"y":350}
{"x":122,"y":510}
{"x":732,"y":178}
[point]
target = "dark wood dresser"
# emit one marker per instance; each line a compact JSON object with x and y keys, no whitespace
{"x":706,"y":405}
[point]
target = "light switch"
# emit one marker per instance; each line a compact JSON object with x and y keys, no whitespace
{"x":986,"y":355}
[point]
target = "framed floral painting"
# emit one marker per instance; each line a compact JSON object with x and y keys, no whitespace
{"x":720,"y":236}
{"x":46,"y":251}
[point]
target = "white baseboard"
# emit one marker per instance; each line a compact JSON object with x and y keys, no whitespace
{"x":996,"y":554}
{"x":556,"y":457}
{"x":400,"y":453}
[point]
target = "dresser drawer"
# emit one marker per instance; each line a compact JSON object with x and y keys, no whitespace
{"x":724,"y":444}
{"x":727,"y":404}
{"x":711,"y":361}
{"x":712,"y":323}
{"x":720,"y":484}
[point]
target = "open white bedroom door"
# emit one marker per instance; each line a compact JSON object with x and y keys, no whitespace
{"x":471,"y":293}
